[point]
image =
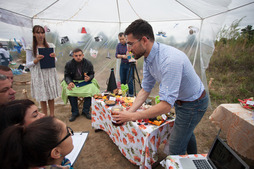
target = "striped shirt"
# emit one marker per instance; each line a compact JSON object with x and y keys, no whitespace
{"x":172,"y":69}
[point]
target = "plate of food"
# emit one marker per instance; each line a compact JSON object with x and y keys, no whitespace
{"x":98,"y":96}
{"x":156,"y":122}
{"x":247,"y":103}
{"x":159,"y":120}
{"x":110,"y":102}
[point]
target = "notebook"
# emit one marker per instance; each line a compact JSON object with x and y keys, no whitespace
{"x":220,"y":156}
{"x":47,"y":61}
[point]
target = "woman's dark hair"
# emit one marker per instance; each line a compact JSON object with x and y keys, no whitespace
{"x":140,"y":28}
{"x":36,"y":29}
{"x":22,"y":147}
{"x":14,"y":113}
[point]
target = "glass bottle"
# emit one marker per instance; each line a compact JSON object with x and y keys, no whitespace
{"x":114,"y":110}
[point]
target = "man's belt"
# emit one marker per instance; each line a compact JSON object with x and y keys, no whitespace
{"x":180,"y":102}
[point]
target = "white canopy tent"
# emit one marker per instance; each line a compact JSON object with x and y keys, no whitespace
{"x":190,"y":25}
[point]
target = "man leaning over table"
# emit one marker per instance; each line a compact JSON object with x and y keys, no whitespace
{"x":180,"y":86}
{"x":78,"y":68}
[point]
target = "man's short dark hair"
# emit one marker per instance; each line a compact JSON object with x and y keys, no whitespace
{"x":120,"y":34}
{"x":77,"y":50}
{"x":1,"y":45}
{"x":5,"y":68}
{"x":140,"y":28}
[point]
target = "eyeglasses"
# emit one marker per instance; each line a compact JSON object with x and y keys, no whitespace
{"x":70,"y":133}
{"x":3,"y":77}
{"x":130,"y":44}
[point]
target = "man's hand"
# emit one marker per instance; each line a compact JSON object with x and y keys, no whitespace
{"x":123,"y":116}
{"x":158,"y":109}
{"x":87,"y":78}
{"x":70,"y":86}
{"x":122,"y":56}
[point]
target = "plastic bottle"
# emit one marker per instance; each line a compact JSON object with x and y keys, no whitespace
{"x":129,"y":54}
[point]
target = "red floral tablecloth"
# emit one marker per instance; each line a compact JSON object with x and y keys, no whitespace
{"x":172,"y":161}
{"x":138,"y":143}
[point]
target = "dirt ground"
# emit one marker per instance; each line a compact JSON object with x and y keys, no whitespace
{"x":99,"y":151}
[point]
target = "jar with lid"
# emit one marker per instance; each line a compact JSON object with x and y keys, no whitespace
{"x":114,"y":110}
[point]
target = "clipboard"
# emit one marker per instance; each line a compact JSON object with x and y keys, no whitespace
{"x":47,"y":61}
{"x":78,"y":140}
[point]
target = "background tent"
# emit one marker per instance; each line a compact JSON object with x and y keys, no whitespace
{"x":93,"y":25}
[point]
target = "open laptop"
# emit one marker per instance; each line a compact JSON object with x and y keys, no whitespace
{"x":220,"y":156}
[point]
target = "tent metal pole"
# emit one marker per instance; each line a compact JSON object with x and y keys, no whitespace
{"x":189,"y":9}
{"x":46,"y":8}
{"x":238,"y":7}
{"x":119,"y":17}
{"x":198,"y":44}
{"x":118,"y":60}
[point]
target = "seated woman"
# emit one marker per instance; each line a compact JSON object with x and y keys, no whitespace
{"x":46,"y":141}
{"x":21,"y":112}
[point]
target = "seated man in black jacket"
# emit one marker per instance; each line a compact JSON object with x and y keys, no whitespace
{"x":78,"y":68}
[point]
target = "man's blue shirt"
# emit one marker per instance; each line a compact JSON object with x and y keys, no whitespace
{"x":172,"y":69}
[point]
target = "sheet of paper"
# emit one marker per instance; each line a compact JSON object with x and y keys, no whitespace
{"x":79,"y":139}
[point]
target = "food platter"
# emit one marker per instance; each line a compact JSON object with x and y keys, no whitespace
{"x":159,"y":120}
{"x":98,"y":96}
{"x":110,"y":102}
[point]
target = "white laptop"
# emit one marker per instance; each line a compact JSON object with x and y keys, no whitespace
{"x":220,"y":156}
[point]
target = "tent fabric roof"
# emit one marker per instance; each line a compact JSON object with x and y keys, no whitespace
{"x":108,"y":17}
{"x":120,"y":11}
{"x":26,"y":13}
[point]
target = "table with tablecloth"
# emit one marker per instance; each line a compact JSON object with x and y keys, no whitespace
{"x":138,"y":143}
{"x":238,"y":125}
{"x":172,"y":161}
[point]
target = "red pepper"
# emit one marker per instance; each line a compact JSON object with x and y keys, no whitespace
{"x":246,"y":107}
{"x":241,"y":101}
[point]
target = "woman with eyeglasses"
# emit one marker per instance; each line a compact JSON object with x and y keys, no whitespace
{"x":44,"y":142}
{"x":45,"y":84}
{"x":22,"y":112}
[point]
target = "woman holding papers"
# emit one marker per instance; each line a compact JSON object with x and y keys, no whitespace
{"x":45,"y":85}
{"x":44,"y":142}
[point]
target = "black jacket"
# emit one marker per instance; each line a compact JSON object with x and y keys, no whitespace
{"x":71,"y":68}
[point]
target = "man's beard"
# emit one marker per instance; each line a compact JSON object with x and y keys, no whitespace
{"x":139,"y":55}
